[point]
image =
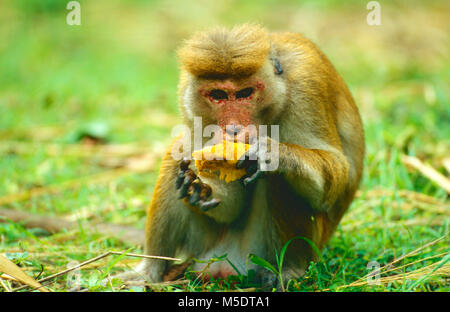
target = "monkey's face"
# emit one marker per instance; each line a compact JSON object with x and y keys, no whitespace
{"x":237,"y":105}
{"x":233,"y":104}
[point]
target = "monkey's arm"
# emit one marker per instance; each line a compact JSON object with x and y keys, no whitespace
{"x":166,"y":222}
{"x":320,"y":176}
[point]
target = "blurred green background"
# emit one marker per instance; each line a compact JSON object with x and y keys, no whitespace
{"x":78,"y":101}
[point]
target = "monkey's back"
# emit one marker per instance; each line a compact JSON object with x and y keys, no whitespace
{"x":309,"y":72}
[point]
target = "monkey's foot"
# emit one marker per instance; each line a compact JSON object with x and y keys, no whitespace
{"x":193,"y":189}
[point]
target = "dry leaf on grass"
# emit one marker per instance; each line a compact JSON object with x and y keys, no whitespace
{"x":446,"y":164}
{"x":8,"y":267}
{"x":427,"y":171}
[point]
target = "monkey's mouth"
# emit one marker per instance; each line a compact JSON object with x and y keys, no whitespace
{"x":237,"y":139}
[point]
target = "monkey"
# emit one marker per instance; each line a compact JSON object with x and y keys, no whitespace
{"x":243,"y":76}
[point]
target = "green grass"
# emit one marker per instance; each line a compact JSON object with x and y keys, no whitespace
{"x":115,"y":77}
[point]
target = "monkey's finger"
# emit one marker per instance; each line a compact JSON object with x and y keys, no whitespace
{"x":243,"y":163}
{"x":184,"y":164}
{"x":251,"y":156}
{"x":206,"y":191}
{"x":184,"y":167}
{"x":205,"y":206}
{"x":251,"y":169}
{"x":253,"y":178}
{"x":179,"y":180}
{"x":185,"y":186}
{"x":195,"y":197}
{"x":184,"y":190}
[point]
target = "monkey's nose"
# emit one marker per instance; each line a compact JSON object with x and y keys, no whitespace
{"x":233,"y":129}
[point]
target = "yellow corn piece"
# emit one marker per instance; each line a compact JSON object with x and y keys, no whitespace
{"x":221,"y":158}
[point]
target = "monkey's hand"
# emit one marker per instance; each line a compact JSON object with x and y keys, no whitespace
{"x":193,"y":190}
{"x":251,"y":162}
{"x":262,"y":156}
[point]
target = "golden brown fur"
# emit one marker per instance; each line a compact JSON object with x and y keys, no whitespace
{"x":321,"y":148}
{"x":221,"y":53}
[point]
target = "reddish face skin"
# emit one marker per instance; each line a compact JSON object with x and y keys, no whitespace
{"x":234,"y":105}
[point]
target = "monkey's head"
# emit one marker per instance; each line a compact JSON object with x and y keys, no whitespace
{"x":231,"y":78}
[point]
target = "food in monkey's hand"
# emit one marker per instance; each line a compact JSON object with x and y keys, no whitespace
{"x":221,"y":159}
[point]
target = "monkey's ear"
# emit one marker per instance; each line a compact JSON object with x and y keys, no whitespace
{"x":277,"y":65}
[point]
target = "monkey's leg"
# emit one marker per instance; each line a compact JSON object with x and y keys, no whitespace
{"x":166,"y":224}
{"x":172,"y":225}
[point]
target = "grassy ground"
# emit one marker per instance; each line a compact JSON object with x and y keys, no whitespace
{"x":114,"y":79}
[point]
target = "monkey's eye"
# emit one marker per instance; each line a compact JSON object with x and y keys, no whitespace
{"x":218,"y":95}
{"x":244,"y":93}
